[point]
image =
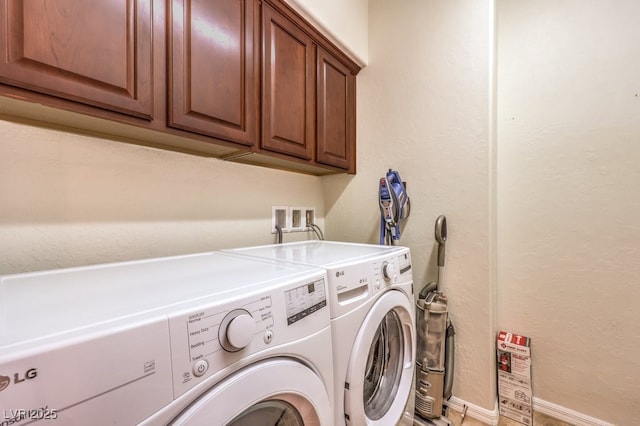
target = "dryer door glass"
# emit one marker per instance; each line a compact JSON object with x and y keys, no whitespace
{"x":269,"y":413}
{"x":381,"y":366}
{"x":384,"y":367}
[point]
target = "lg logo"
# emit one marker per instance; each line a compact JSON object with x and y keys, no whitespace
{"x":5,"y":381}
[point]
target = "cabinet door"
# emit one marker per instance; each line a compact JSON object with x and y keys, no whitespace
{"x":213,"y":65}
{"x":91,"y":51}
{"x":335,"y":144}
{"x":288,"y":78}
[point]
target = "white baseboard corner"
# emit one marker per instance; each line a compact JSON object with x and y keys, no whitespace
{"x":486,"y":416}
{"x":566,"y":414}
{"x":541,"y":406}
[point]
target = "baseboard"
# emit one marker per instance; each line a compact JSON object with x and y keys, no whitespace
{"x":566,"y":414}
{"x":484,"y":415}
{"x":539,"y":405}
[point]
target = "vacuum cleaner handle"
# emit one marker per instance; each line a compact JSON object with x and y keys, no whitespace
{"x":441,"y":237}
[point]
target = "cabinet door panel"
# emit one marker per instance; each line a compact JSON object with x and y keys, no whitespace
{"x":336,"y":113}
{"x":91,"y":51}
{"x":213,"y":60}
{"x":288,"y":87}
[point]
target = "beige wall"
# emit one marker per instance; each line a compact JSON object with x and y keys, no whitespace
{"x":569,"y":198}
{"x":424,"y":110}
{"x":344,"y":22}
{"x":69,"y":200}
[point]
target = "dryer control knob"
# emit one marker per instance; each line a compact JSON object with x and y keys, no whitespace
{"x":388,"y":271}
{"x":237,"y":330}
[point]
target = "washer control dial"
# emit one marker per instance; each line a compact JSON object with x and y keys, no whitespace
{"x":237,"y":330}
{"x":388,"y":271}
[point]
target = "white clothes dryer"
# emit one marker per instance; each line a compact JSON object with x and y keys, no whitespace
{"x":372,"y":325}
{"x":211,"y":338}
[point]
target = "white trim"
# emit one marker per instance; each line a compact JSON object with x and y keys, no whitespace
{"x":484,"y":415}
{"x":539,"y":405}
{"x":566,"y":414}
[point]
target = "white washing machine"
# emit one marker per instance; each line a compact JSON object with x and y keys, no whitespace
{"x":212,"y":338}
{"x":372,"y":325}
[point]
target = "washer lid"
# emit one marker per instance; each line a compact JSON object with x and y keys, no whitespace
{"x":320,"y":253}
{"x":41,"y":304}
{"x":264,"y":394}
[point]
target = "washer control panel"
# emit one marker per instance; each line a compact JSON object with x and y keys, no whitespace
{"x":305,"y":300}
{"x":207,"y":340}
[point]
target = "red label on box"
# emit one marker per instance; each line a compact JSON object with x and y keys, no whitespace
{"x":516,"y":339}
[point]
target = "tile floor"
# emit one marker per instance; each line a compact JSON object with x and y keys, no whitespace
{"x":539,"y":419}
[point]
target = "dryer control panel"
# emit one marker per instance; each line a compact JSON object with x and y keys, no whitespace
{"x":392,"y":270}
{"x":210,"y":340}
{"x":357,"y":280}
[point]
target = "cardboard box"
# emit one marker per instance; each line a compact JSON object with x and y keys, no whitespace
{"x":514,"y":377}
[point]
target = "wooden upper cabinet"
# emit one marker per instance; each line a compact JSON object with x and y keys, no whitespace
{"x":213,"y":66}
{"x":247,"y":80}
{"x":336,"y":110}
{"x":288,"y":87}
{"x":96,"y":52}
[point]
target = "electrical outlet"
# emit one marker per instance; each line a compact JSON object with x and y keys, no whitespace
{"x":279,"y":217}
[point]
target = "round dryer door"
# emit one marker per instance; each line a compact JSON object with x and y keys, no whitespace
{"x":381,"y":365}
{"x":268,"y":393}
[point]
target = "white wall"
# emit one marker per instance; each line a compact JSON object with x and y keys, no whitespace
{"x":68,"y":199}
{"x":424,"y":110}
{"x":569,"y":198}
